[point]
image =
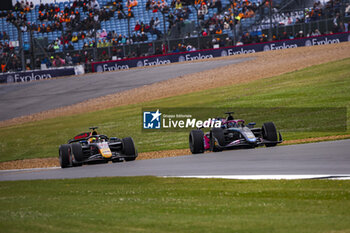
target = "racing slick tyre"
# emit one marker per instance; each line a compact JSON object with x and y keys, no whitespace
{"x":269,"y":133}
{"x":196,"y":140}
{"x":129,"y":149}
{"x":77,"y":153}
{"x":64,"y":155}
{"x":218,"y":134}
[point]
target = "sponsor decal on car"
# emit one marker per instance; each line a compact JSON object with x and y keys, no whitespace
{"x":105,"y":150}
{"x":85,"y":135}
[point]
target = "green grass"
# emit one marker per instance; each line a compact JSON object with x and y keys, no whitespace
{"x":149,"y":204}
{"x":326,"y":85}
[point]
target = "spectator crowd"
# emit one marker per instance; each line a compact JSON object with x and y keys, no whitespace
{"x":80,"y":20}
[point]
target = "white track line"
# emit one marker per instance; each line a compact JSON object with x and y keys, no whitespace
{"x":271,"y":177}
{"x":233,"y":177}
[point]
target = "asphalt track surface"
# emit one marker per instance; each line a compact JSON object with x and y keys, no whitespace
{"x":22,"y":99}
{"x":331,"y":158}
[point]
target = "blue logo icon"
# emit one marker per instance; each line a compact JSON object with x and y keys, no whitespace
{"x":151,"y":120}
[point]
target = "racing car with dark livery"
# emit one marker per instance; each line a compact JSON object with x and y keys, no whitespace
{"x":91,"y":147}
{"x":234,"y":134}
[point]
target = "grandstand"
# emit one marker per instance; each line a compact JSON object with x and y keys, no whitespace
{"x":190,"y":28}
{"x":113,"y":24}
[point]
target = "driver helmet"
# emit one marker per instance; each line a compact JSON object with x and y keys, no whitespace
{"x":92,"y":140}
{"x":230,"y":124}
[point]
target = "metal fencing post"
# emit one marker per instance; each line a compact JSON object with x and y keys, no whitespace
{"x":270,"y":16}
{"x":62,"y":31}
{"x":164,"y":27}
{"x":20,"y":37}
{"x":304,"y":12}
{"x":129,"y":35}
{"x":95,"y":45}
{"x":199,"y":28}
{"x":234,"y":28}
{"x":33,"y":58}
{"x":326,"y":21}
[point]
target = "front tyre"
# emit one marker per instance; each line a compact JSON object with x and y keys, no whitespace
{"x":77,"y":153}
{"x":129,"y":149}
{"x":217,"y":136}
{"x":269,"y":133}
{"x":196,"y":141}
{"x":65,"y":155}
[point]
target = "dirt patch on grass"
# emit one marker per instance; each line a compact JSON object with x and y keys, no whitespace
{"x":265,"y":64}
{"x":319,"y":139}
{"x":30,"y":163}
{"x":54,"y":162}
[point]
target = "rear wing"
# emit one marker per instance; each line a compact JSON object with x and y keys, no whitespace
{"x":79,"y":137}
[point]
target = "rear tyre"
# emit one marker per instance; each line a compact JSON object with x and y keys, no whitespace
{"x":269,"y":133}
{"x":129,"y":149}
{"x":65,"y":155}
{"x":217,"y":134}
{"x":196,"y":141}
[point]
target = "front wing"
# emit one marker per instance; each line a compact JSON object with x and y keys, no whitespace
{"x":115,"y":147}
{"x":242,"y":143}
